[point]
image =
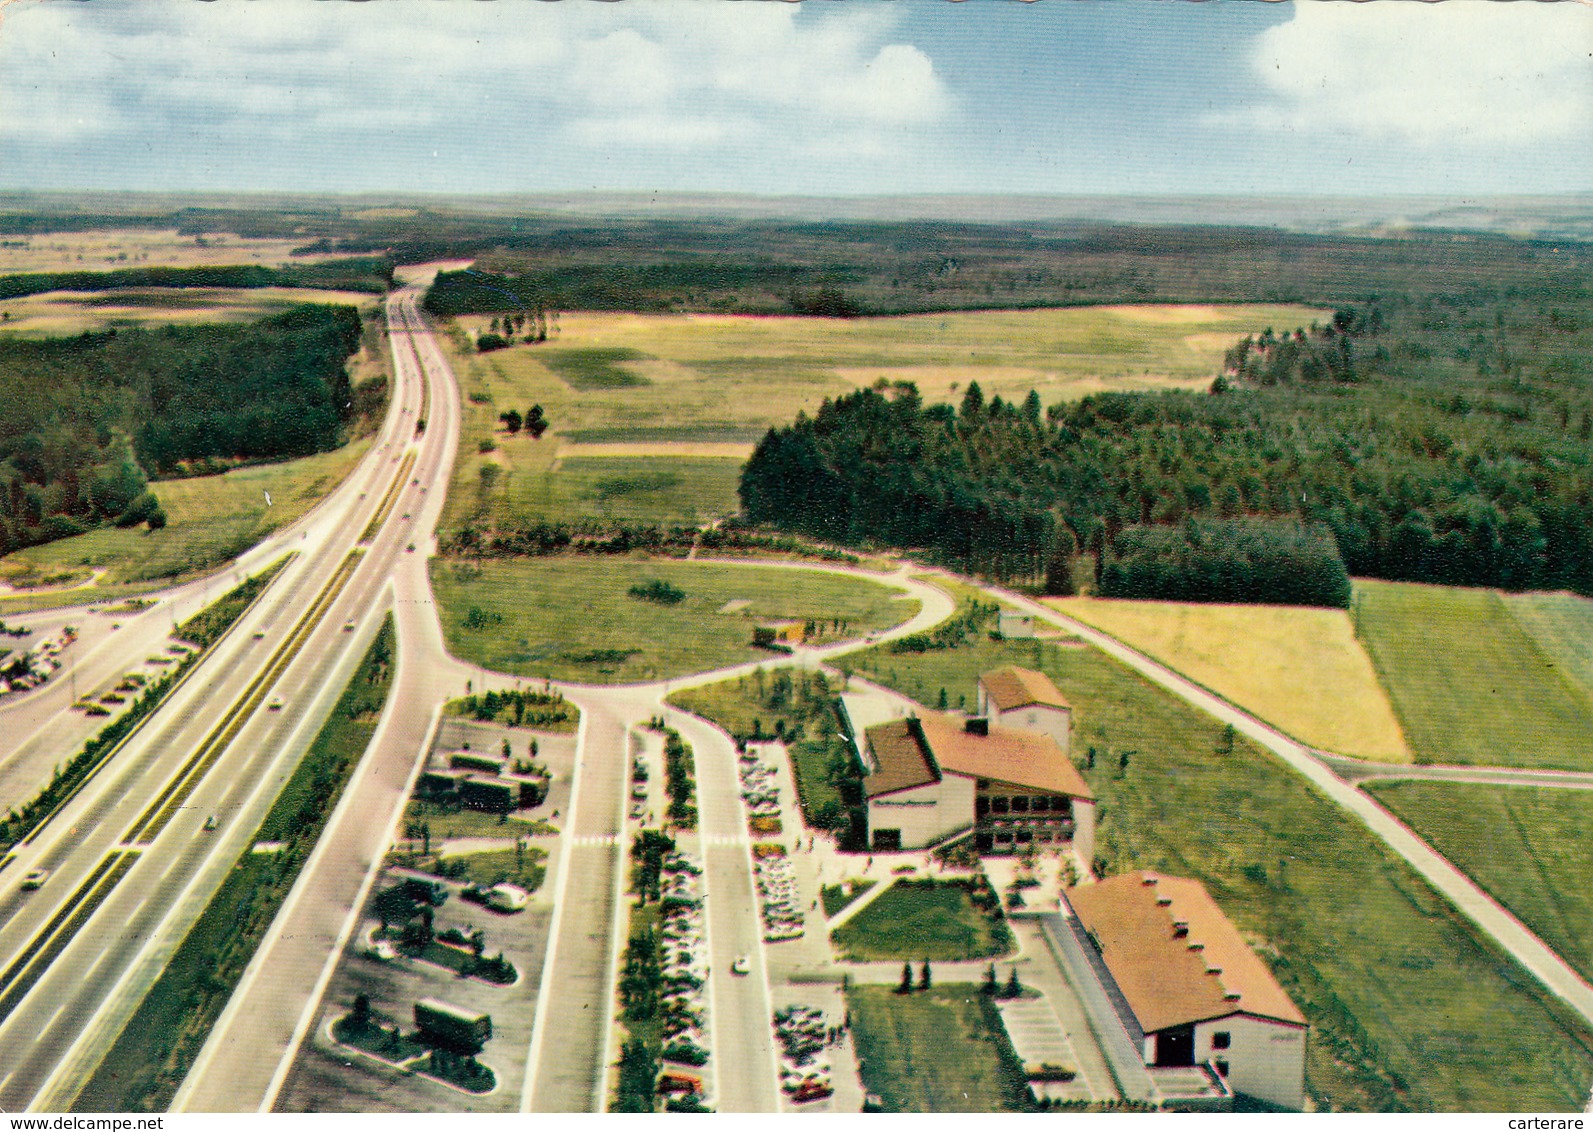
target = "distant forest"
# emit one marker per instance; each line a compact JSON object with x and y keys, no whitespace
{"x":374,"y":276}
{"x":88,"y":420}
{"x":1443,"y":439}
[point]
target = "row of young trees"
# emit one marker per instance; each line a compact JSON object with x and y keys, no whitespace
{"x":89,"y":420}
{"x":1458,"y":455}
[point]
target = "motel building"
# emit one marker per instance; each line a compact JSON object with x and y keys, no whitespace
{"x":933,"y":778}
{"x":1188,"y":989}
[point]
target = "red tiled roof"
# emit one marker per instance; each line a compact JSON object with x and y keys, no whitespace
{"x":1174,"y":954}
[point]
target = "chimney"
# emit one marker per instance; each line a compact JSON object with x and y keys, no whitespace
{"x":977,"y":726}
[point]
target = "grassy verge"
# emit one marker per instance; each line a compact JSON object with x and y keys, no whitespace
{"x":574,"y":618}
{"x":928,"y":920}
{"x":1470,"y":685}
{"x":1410,"y":1009}
{"x":204,"y":629}
{"x":211,"y":520}
{"x":156,"y":1048}
{"x":1531,"y":848}
{"x":1300,"y":669}
{"x":835,"y":897}
{"x":940,"y":1050}
{"x":439,"y":823}
{"x":522,"y":866}
{"x":639,"y":990}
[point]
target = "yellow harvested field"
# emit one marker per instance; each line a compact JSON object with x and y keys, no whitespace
{"x":1301,"y":669}
{"x":707,"y":450}
{"x":111,"y":248}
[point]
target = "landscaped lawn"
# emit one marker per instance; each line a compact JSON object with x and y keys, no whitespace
{"x":1300,"y":669}
{"x":500,"y":866}
{"x":835,"y":896}
{"x":572,"y":618}
{"x":1469,"y":684}
{"x":1531,"y":848}
{"x":1409,"y":1008}
{"x":940,"y":1050}
{"x":918,"y":920}
{"x":446,"y":823}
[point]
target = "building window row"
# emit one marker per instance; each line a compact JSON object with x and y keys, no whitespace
{"x":1022,"y":804}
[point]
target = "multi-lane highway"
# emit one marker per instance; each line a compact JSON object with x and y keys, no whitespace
{"x":131,"y":861}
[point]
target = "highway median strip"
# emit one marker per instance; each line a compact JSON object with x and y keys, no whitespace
{"x":176,"y":792}
{"x":29,"y":966}
{"x":389,"y":499}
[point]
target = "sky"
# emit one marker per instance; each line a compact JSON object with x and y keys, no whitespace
{"x":820,"y":98}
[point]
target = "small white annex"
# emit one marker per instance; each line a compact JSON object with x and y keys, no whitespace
{"x":1024,"y":698}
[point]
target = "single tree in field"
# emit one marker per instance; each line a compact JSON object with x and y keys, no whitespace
{"x":511,"y":420}
{"x":923,"y":976}
{"x":906,"y":986}
{"x":360,"y":1016}
{"x":1013,"y":988}
{"x":990,"y":986}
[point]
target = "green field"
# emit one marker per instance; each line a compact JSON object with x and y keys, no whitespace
{"x":573,"y":618}
{"x":1409,"y":1008}
{"x":1532,"y":848}
{"x":1562,"y":626}
{"x":923,"y":920}
{"x":706,"y":379}
{"x":940,"y":1050}
{"x":630,"y":489}
{"x":1469,"y":684}
{"x":211,"y":520}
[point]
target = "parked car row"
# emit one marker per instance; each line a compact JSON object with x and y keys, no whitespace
{"x":780,"y":898}
{"x":683,"y":964}
{"x":801,"y":1032}
{"x":639,"y":795}
{"x":759,"y":791}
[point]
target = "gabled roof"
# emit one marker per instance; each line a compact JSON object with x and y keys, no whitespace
{"x":1013,"y":687}
{"x":1007,"y":754}
{"x":902,"y":757}
{"x":1174,"y":954}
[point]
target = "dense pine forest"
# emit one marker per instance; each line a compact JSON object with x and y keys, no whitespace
{"x":1441,"y":438}
{"x":89,"y":420}
{"x":370,"y":275}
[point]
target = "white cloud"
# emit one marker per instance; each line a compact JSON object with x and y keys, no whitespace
{"x":669,"y":76}
{"x":1463,"y":71}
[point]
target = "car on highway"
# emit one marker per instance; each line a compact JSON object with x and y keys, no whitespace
{"x":210,"y":824}
{"x":275,"y":704}
{"x":35,"y":879}
{"x":741,"y":966}
{"x":348,"y":626}
{"x":259,"y":634}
